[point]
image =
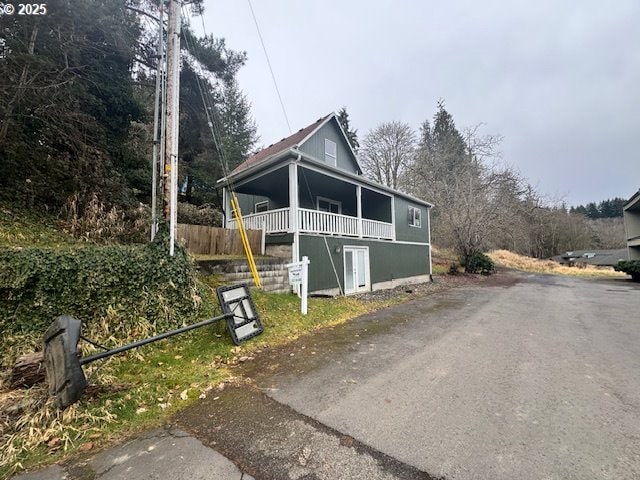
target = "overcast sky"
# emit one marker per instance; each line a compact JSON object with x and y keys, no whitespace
{"x":559,"y":80}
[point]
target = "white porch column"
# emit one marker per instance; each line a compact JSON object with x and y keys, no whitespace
{"x":359,"y":207}
{"x":393,"y":216}
{"x":226,"y":205}
{"x":293,"y":209}
{"x":430,"y":246}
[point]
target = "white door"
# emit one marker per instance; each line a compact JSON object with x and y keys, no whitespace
{"x":356,"y":270}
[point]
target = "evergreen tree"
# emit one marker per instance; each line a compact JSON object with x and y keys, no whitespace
{"x":76,"y":103}
{"x":448,"y":143}
{"x":239,"y":128}
{"x":610,"y":208}
{"x":592,"y":210}
{"x":66,"y":101}
{"x":352,"y":135}
{"x":209,"y":71}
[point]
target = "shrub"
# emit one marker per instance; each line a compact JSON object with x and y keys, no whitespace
{"x":127,"y":286}
{"x":631,"y":267}
{"x":92,"y":220}
{"x":203,"y":215}
{"x":478,"y":263}
{"x":453,"y":268}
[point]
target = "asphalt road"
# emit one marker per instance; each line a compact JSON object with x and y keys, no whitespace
{"x":535,"y":380}
{"x":518,"y":377}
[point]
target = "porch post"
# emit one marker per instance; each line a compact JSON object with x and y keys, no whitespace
{"x":393,"y":216}
{"x":359,"y":207}
{"x":429,"y":233}
{"x":293,"y":208}
{"x":226,"y":205}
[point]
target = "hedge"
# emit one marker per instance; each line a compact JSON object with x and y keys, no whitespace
{"x":631,"y":267}
{"x":92,"y":282}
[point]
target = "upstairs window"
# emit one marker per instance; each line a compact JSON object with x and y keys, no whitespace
{"x":261,"y":206}
{"x":413,"y":216}
{"x":328,"y":205}
{"x":330,"y":152}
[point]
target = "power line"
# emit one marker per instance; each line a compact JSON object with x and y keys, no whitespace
{"x":275,"y":83}
{"x":213,"y":121}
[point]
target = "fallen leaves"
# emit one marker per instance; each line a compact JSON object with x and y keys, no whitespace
{"x":85,"y":447}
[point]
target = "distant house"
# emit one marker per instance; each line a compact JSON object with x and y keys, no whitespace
{"x":631,"y":215}
{"x":308,"y":193}
{"x":598,"y":258}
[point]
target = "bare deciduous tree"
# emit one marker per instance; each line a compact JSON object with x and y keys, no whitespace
{"x":386,"y":152}
{"x":474,"y":195}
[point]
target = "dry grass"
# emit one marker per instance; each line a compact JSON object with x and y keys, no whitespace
{"x":30,"y":421}
{"x":144,"y":387}
{"x":509,"y":259}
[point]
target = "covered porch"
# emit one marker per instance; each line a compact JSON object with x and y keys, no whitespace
{"x":306,"y":199}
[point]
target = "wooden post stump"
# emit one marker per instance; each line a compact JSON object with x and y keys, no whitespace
{"x":27,"y":371}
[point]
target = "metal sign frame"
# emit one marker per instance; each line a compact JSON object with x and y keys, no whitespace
{"x":244,"y":322}
{"x":65,"y":376}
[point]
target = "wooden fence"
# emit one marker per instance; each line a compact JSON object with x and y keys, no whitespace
{"x":204,"y":240}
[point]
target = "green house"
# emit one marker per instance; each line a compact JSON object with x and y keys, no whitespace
{"x":631,"y":214}
{"x":308,"y":194}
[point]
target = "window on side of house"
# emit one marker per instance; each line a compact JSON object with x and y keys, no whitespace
{"x":328,"y":205}
{"x":414,"y":217}
{"x":330,"y":152}
{"x":261,"y":206}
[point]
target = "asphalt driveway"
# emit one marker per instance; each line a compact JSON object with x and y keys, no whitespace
{"x":537,"y":377}
{"x":519,"y":377}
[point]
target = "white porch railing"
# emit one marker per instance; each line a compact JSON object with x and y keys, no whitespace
{"x":376,"y":229}
{"x":315,"y":221}
{"x":273,"y":221}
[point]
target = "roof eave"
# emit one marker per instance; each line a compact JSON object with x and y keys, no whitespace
{"x":360,"y":178}
{"x":635,"y":199}
{"x":270,"y":160}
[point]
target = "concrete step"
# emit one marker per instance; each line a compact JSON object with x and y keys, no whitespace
{"x":273,"y":273}
{"x":270,"y":274}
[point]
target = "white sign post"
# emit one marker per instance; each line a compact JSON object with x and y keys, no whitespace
{"x":299,"y":275}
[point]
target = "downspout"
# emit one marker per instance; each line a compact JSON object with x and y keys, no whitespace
{"x":294,"y":200}
{"x":430,"y":245}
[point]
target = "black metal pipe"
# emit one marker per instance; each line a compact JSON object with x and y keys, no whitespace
{"x":124,"y":348}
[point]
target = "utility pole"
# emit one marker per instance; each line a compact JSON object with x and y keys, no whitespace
{"x":173,"y":113}
{"x":158,"y":125}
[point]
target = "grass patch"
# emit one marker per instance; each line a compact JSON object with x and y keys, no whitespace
{"x":440,"y":268}
{"x":509,"y":259}
{"x":25,"y":228}
{"x":144,"y":387}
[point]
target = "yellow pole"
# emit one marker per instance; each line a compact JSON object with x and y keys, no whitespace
{"x":245,"y":240}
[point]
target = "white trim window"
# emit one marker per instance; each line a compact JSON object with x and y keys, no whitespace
{"x":327,"y":205}
{"x":414,"y":217}
{"x":261,"y":207}
{"x":330,"y":152}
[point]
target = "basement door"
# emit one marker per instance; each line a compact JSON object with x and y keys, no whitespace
{"x":356,"y":270}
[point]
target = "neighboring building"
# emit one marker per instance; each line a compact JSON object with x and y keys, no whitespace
{"x":598,"y":258}
{"x":308,"y":193}
{"x":631,"y":214}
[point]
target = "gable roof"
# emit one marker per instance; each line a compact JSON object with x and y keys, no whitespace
{"x":291,"y":141}
{"x":633,"y":202}
{"x":289,"y":146}
{"x":593,"y":257}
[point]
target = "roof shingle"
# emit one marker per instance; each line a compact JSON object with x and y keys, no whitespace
{"x":282,"y":145}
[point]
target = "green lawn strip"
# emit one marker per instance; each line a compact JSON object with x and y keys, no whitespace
{"x":24,"y":228}
{"x":159,"y":379}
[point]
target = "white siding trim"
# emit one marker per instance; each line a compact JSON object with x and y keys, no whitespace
{"x":365,"y":239}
